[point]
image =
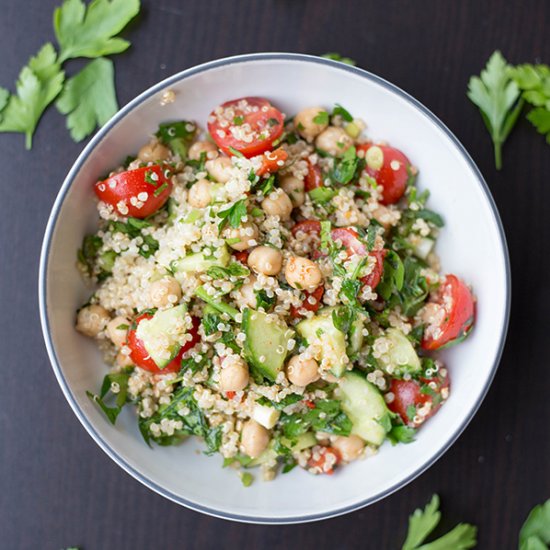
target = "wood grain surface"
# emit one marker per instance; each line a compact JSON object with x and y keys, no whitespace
{"x":58,"y":489}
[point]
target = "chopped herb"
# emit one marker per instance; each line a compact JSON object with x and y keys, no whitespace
{"x":535,"y":532}
{"x":234,"y":269}
{"x":119,"y":379}
{"x":263,"y":300}
{"x":273,"y":122}
{"x":159,"y":191}
{"x":339,"y":110}
{"x":337,"y":57}
{"x":232,"y":215}
{"x":123,"y":326}
{"x":401,"y":434}
{"x":431,"y":217}
{"x":222,"y":307}
{"x":393,"y":275}
{"x":320,"y":118}
{"x":238,"y":120}
{"x":177,"y":136}
{"x":235,"y":152}
{"x":87,"y":254}
{"x":348,"y":167}
{"x":322,"y":195}
{"x":247,"y":478}
{"x":151,"y":177}
{"x":283,"y":403}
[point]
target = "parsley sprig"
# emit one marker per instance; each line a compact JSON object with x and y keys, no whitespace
{"x":423,"y":522}
{"x":88,"y":98}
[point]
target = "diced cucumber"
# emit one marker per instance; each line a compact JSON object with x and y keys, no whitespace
{"x":266,"y":342}
{"x":162,"y":334}
{"x":422,"y":246}
{"x":269,"y":455}
{"x":199,"y":262}
{"x":303,"y":441}
{"x":365,"y":406}
{"x":320,"y":329}
{"x":265,"y":415}
{"x":355,"y":337}
{"x":401,"y":357}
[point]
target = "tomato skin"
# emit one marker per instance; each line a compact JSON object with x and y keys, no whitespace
{"x":393,"y":181}
{"x":317,"y":294}
{"x":313,"y":178}
{"x":129,"y":184}
{"x":319,"y":464}
{"x":141,"y":358}
{"x":375,"y":276}
{"x":459,"y":320}
{"x":271,"y":160}
{"x":259,"y":122}
{"x":408,"y":392}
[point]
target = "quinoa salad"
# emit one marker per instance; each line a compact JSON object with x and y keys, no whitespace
{"x":269,"y":284}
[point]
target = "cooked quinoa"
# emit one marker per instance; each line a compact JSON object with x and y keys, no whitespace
{"x":270,"y":286}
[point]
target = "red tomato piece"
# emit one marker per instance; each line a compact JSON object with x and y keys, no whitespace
{"x":309,"y":404}
{"x":249,"y":125}
{"x":350,"y":240}
{"x":242,"y":256}
{"x":374,"y":277}
{"x":458,"y":303}
{"x":141,"y":358}
{"x":323,"y":460}
{"x":317,"y":295}
{"x":392,"y":174}
{"x":272,"y":161}
{"x":313,"y":178}
{"x":417,"y":399}
{"x":137,"y":193}
{"x":230,"y":394}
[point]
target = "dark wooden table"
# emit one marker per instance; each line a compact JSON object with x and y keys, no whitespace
{"x":58,"y":489}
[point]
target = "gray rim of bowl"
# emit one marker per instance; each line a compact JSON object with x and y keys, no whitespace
{"x":51,"y":227}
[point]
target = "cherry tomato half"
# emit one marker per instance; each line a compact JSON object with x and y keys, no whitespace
{"x":457,"y":300}
{"x":313,"y":178}
{"x":140,"y":356}
{"x":272,"y":161}
{"x":137,"y":193}
{"x":375,"y":276}
{"x":307,"y":226}
{"x":411,"y":398}
{"x":323,"y":460}
{"x":350,"y":240}
{"x":317,"y":295}
{"x":249,"y":125}
{"x":391,"y":171}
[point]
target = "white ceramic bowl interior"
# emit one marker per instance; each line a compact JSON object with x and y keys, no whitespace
{"x":472,"y":245}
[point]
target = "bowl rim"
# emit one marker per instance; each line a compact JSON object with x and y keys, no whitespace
{"x":52,"y":222}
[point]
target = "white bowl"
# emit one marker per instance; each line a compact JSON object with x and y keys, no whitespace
{"x":472,"y":245}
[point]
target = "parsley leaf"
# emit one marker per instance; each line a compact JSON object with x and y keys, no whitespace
{"x":344,"y":113}
{"x":535,"y":532}
{"x":37,"y":86}
{"x":89,"y":98}
{"x":540,"y":119}
{"x":348,"y":168}
{"x":321,"y":118}
{"x":498,"y":97}
{"x":178,"y":136}
{"x":322,"y":195}
{"x":119,"y":379}
{"x":401,"y":434}
{"x":232,"y":215}
{"x":337,"y":57}
{"x":89,"y":31}
{"x":4,"y":97}
{"x":423,"y":522}
{"x":234,"y":269}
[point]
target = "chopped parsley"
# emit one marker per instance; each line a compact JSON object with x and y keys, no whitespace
{"x":320,"y":118}
{"x":233,"y":215}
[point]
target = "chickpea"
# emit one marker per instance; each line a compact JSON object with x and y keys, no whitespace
{"x":278,"y":203}
{"x":334,"y":141}
{"x":116,"y":334}
{"x":165,"y":292}
{"x":248,"y":293}
{"x":153,"y":151}
{"x":234,"y":374}
{"x":266,"y":260}
{"x":91,"y":320}
{"x":303,"y":274}
{"x":350,"y":448}
{"x":302,"y":371}
{"x":199,"y":147}
{"x":294,"y":188}
{"x":247,"y":234}
{"x":123,"y":360}
{"x":219,"y":168}
{"x":199,"y":194}
{"x":305,"y":125}
{"x":254,"y":439}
